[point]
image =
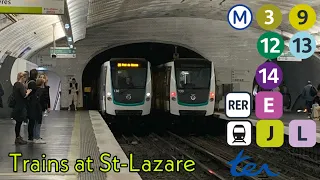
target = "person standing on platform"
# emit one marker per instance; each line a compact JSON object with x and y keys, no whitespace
{"x":308,"y":93}
{"x":19,"y":113}
{"x":46,"y":94}
{"x":26,"y":77}
{"x":38,"y":105}
{"x":73,"y":94}
{"x":286,"y":95}
{"x":316,"y":107}
{"x":1,"y":94}
{"x":30,"y":101}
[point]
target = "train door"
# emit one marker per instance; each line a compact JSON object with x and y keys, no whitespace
{"x":167,"y":88}
{"x":161,"y":89}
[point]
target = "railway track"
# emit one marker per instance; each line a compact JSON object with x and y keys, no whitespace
{"x":212,"y":165}
{"x":271,"y":157}
{"x":212,"y":154}
{"x":205,"y":168}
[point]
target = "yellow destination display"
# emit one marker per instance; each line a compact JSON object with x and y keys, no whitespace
{"x":127,"y":65}
{"x":55,"y":7}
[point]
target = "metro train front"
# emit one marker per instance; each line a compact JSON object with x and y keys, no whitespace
{"x":189,"y":87}
{"x":125,"y":87}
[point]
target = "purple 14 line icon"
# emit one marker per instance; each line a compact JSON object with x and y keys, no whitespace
{"x":269,"y":75}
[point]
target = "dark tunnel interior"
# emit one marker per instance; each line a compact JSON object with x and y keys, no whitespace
{"x":155,"y":53}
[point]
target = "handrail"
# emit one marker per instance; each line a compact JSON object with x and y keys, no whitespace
{"x":57,"y":97}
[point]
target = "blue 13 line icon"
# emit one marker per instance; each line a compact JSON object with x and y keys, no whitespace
{"x":240,"y":17}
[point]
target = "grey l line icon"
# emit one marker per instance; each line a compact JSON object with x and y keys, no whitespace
{"x":300,"y":138}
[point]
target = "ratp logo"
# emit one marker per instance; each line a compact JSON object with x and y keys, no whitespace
{"x":240,"y":17}
{"x":248,"y":169}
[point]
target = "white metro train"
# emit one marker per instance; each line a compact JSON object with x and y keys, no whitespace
{"x":125,"y":87}
{"x":185,"y":87}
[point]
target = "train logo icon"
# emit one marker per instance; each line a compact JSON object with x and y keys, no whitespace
{"x":240,"y":17}
{"x":193,"y":97}
{"x":239,"y":133}
{"x":128,"y":96}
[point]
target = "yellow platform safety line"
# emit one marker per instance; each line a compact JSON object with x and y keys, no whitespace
{"x":74,"y":150}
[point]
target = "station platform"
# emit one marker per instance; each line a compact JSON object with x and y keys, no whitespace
{"x":69,"y":135}
{"x":286,"y":118}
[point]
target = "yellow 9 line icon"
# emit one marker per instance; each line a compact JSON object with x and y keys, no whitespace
{"x":302,"y":17}
{"x":269,"y":17}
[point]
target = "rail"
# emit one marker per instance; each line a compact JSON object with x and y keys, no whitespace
{"x":57,"y":97}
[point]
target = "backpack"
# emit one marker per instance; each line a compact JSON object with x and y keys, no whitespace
{"x":30,"y":82}
{"x":313,"y":91}
{"x":11,"y":101}
{"x":29,"y":97}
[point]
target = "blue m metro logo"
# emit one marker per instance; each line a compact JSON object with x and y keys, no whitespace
{"x":236,"y":17}
{"x":247,"y":170}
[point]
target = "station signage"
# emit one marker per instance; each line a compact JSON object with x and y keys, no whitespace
{"x":54,"y":7}
{"x":63,"y":52}
{"x":288,"y":57}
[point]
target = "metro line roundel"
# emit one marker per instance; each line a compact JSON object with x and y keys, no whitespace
{"x":269,"y":17}
{"x":269,"y":75}
{"x":270,"y":45}
{"x":240,"y":17}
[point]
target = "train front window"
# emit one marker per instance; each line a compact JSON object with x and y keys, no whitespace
{"x":128,"y":78}
{"x":193,"y":78}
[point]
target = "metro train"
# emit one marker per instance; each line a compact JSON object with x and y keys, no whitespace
{"x":125,"y":87}
{"x":185,"y":87}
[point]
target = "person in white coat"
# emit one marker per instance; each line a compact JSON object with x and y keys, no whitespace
{"x":73,"y":93}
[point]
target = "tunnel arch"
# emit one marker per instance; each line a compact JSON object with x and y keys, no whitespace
{"x":155,"y":52}
{"x":141,"y":41}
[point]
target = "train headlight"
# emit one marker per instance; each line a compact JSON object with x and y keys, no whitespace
{"x":109,"y":93}
{"x":148,"y":99}
{"x":173,"y":98}
{"x":148,"y":94}
{"x":109,"y":98}
{"x":211,"y":96}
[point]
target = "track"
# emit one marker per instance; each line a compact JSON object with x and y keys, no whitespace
{"x":212,"y":165}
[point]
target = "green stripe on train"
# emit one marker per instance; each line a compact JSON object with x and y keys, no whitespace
{"x":128,"y":104}
{"x":187,"y":104}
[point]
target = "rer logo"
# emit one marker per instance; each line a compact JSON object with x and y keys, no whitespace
{"x":240,"y":17}
{"x":248,"y":169}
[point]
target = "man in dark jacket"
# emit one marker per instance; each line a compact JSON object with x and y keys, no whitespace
{"x":308,"y":93}
{"x":1,"y":94}
{"x":31,"y":112}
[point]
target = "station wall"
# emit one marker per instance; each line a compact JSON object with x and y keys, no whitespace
{"x":54,"y":82}
{"x":8,"y":75}
{"x":297,"y":74}
{"x":20,"y":65}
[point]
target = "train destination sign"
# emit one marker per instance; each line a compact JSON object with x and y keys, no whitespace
{"x":127,"y":65}
{"x":54,"y":7}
